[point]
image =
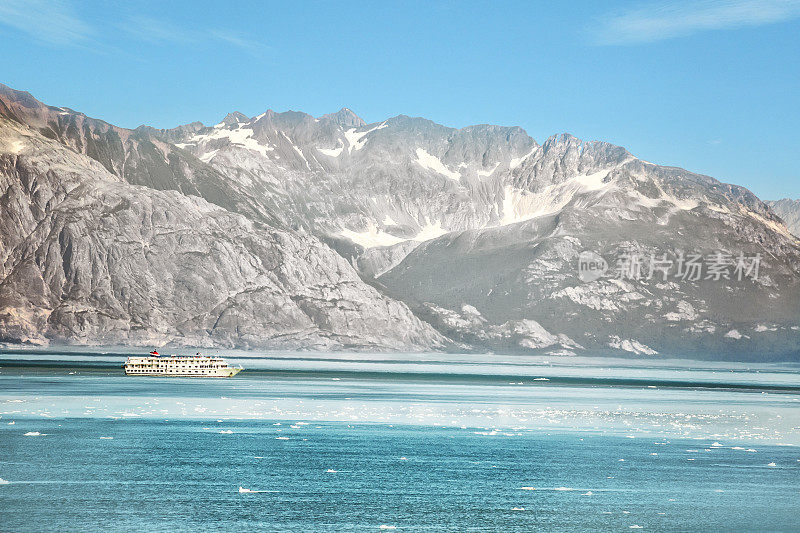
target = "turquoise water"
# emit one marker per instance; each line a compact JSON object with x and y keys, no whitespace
{"x":440,"y":443}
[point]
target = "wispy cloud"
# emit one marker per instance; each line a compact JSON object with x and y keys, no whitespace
{"x":248,"y":45}
{"x":161,"y":31}
{"x":57,"y":22}
{"x":53,"y":22}
{"x":656,"y":22}
{"x":158,"y":31}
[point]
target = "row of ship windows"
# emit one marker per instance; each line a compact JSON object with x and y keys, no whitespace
{"x":195,"y":371}
{"x":174,"y":366}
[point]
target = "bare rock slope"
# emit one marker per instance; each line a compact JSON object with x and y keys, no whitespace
{"x":288,"y":230}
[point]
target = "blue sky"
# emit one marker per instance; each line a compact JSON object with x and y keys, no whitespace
{"x":711,"y":85}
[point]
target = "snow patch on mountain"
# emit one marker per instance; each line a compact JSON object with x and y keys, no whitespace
{"x":517,"y":161}
{"x":685,"y":312}
{"x":734,"y":334}
{"x":12,"y":144}
{"x":240,"y":136}
{"x":301,"y":154}
{"x":679,"y":204}
{"x":374,"y":237}
{"x":431,"y":162}
{"x":487,"y":173}
{"x":208,"y":156}
{"x":332,"y":152}
{"x":630,"y":345}
{"x":592,"y":295}
{"x":774,"y":226}
{"x":761,"y":328}
{"x":356,"y":139}
{"x":430,"y":231}
{"x":520,"y":205}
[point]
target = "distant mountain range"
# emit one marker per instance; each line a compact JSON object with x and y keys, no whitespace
{"x":789,"y":211}
{"x":289,"y":231}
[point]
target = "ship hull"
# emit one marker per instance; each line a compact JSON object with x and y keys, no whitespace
{"x":180,"y":367}
{"x":228,"y":373}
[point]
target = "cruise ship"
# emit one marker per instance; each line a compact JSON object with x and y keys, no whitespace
{"x":198,"y":366}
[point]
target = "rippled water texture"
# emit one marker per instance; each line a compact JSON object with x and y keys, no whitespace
{"x":332,"y":442}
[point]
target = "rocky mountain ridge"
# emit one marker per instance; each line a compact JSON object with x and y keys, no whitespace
{"x":789,"y":211}
{"x":465,"y":239}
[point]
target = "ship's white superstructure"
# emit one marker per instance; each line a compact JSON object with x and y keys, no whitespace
{"x":180,"y":365}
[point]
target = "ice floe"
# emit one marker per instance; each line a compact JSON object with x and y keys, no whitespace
{"x":243,"y":490}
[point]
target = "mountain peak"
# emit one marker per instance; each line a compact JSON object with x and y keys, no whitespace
{"x":234,"y":118}
{"x":344,"y":117}
{"x":19,"y":96}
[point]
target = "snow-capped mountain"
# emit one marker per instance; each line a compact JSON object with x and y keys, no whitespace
{"x":476,"y":231}
{"x":86,"y":256}
{"x":789,"y":211}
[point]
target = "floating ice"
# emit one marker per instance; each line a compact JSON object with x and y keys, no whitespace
{"x":243,"y":490}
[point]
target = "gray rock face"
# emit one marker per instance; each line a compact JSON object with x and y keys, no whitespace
{"x":789,"y":211}
{"x":328,"y":232}
{"x":344,"y":117}
{"x":89,"y":258}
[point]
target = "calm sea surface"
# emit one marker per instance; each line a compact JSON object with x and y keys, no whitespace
{"x":323,"y":442}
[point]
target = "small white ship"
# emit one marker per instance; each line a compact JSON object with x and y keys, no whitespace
{"x":198,"y":366}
